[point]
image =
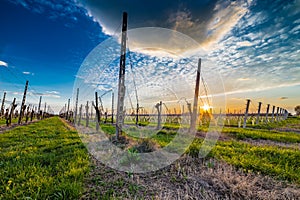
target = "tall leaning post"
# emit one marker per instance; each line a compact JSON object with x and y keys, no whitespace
{"x":23,"y":103}
{"x":121,"y":88}
{"x":246,"y":113}
{"x":258,"y":112}
{"x":196,"y":95}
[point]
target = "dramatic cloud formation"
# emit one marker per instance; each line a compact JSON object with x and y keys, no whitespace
{"x":205,"y":21}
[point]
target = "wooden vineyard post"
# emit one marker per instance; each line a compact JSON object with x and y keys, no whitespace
{"x":44,"y":113}
{"x":286,"y":114}
{"x":97,"y":112}
{"x":258,"y":112}
{"x":39,"y":109}
{"x":67,"y":113}
{"x":13,"y":106}
{"x":2,"y":105}
{"x":273,"y":113}
{"x":80,"y":114}
{"x":112,"y":108}
{"x":267,"y":112}
{"x":196,"y":95}
{"x":27,"y":113}
{"x":121,"y":88}
{"x":76,"y":106}
{"x":158,"y":106}
{"x":22,"y":109}
{"x":92,"y":111}
{"x":246,"y":113}
{"x":32,"y":113}
{"x":87,"y":114}
{"x":277,"y":114}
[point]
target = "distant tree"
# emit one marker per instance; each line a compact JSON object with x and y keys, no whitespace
{"x":297,"y":109}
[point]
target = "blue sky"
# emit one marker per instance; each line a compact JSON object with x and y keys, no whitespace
{"x":254,"y":46}
{"x":45,"y":45}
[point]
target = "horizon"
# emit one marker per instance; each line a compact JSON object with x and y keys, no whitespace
{"x":253,"y":48}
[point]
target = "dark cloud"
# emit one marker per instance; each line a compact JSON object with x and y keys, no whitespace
{"x":204,"y":21}
{"x":282,"y":98}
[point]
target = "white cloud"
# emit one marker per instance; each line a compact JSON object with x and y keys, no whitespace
{"x":28,"y":73}
{"x":53,"y":92}
{"x":4,"y":64}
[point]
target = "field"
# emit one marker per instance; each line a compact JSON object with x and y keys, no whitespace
{"x":47,"y":160}
{"x":44,"y":160}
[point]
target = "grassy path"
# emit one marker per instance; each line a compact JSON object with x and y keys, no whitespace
{"x":43,"y":160}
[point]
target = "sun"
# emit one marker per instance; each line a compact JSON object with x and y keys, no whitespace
{"x":206,"y":107}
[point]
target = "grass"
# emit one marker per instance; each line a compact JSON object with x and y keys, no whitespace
{"x":265,"y":134}
{"x":280,"y":163}
{"x":44,"y":160}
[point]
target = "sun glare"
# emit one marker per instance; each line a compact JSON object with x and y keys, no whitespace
{"x":206,"y":107}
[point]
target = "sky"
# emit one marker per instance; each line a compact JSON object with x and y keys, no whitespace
{"x":249,"y":49}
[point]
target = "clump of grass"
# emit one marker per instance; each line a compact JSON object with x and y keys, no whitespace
{"x":44,"y":160}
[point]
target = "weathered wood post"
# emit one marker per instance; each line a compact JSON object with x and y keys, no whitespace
{"x":27,"y":114}
{"x":76,"y":106}
{"x":87,"y":114}
{"x":92,"y":113}
{"x":32,"y":113}
{"x":286,"y":114}
{"x":97,"y":112}
{"x":258,"y":112}
{"x":246,"y":113}
{"x":2,"y":105}
{"x":196,"y":95}
{"x":273,"y":113}
{"x":39,"y":108}
{"x":80,"y":115}
{"x":277,"y":113}
{"x":158,"y":107}
{"x":44,"y":113}
{"x":267,"y":113}
{"x":67,"y":113}
{"x":121,"y":88}
{"x":13,"y":106}
{"x":23,"y":103}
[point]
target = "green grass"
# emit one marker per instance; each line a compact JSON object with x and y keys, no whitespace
{"x":280,"y":163}
{"x":44,"y":160}
{"x":290,"y":122}
{"x":240,"y":133}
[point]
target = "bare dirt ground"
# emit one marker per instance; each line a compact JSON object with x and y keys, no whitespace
{"x":187,"y":178}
